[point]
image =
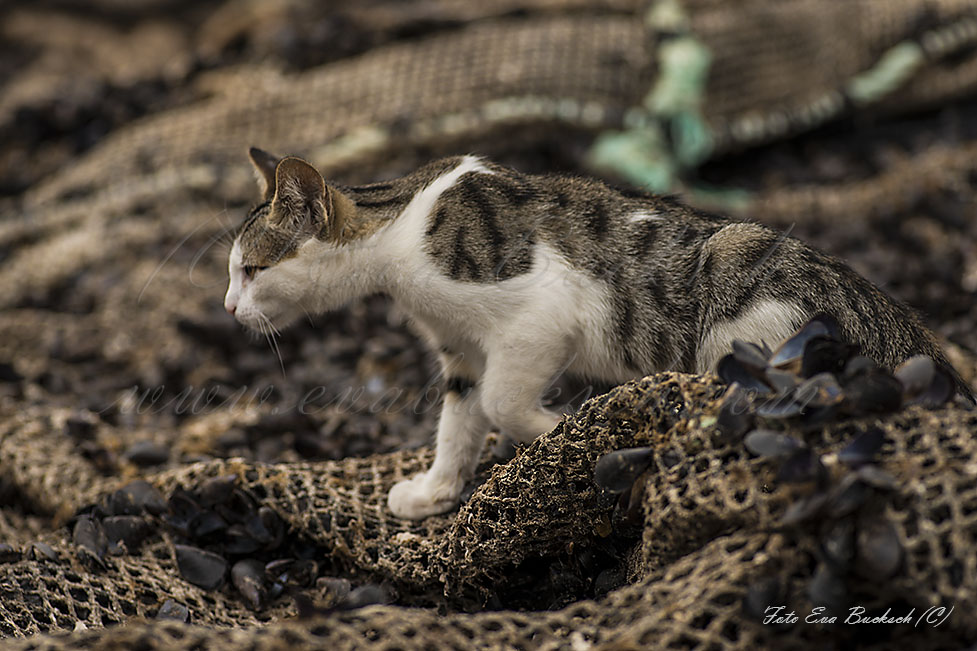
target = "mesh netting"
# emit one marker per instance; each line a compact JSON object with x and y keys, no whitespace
{"x":708,"y":534}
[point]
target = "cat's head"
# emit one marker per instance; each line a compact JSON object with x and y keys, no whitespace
{"x":279,"y":262}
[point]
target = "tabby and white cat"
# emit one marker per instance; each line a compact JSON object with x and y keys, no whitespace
{"x":514,"y":278}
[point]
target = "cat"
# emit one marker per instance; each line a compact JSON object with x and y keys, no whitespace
{"x":514,"y":278}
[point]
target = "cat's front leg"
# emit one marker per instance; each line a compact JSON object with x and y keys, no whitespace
{"x":461,"y":434}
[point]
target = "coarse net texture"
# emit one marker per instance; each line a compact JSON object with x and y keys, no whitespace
{"x":708,"y":514}
{"x":111,"y":274}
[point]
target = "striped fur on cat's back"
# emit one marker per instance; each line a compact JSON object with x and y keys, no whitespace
{"x":514,"y":278}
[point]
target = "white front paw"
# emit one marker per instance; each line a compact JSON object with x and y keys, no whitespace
{"x":420,"y":497}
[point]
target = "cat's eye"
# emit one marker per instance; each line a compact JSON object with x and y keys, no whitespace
{"x":251,"y":270}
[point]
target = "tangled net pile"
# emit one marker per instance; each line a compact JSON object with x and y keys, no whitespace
{"x":109,"y":281}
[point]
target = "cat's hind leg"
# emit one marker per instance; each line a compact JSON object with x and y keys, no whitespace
{"x":516,"y":375}
{"x":461,"y":435}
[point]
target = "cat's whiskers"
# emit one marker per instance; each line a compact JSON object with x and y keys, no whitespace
{"x":308,"y":316}
{"x":271,"y":332}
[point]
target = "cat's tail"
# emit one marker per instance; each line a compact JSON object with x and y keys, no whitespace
{"x":964,"y":390}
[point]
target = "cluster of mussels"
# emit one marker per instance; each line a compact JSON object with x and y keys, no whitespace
{"x":220,"y":530}
{"x":812,"y":378}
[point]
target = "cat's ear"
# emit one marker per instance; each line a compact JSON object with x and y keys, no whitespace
{"x":264,"y":165}
{"x":300,"y":193}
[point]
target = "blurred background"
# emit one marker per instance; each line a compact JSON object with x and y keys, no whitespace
{"x":124,"y":127}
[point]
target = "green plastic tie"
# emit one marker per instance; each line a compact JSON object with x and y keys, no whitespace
{"x":639,"y":155}
{"x":892,"y":71}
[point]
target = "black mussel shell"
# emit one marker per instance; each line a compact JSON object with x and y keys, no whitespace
{"x":80,"y":429}
{"x":205,"y":523}
{"x":849,"y":495}
{"x":783,"y":382}
{"x":200,"y":567}
{"x":750,"y":355}
{"x":735,"y":415}
{"x":821,"y":415}
{"x":89,"y":535}
{"x":916,"y":374}
{"x":182,"y":505}
{"x":173,"y":610}
{"x":8,"y":553}
{"x":802,"y":465}
{"x":765,"y":593}
{"x":121,"y":502}
{"x":333,"y":590}
{"x":825,"y":355}
{"x":768,"y":443}
{"x":858,"y":365}
{"x":130,"y":529}
{"x":277,"y":570}
{"x":828,"y":589}
{"x":617,"y":471}
{"x":791,"y":351}
{"x":102,"y":458}
{"x":879,"y":551}
{"x":217,"y":490}
{"x":135,"y":498}
{"x":292,"y":572}
{"x":303,"y":572}
{"x":609,"y":580}
{"x":147,"y":496}
{"x":821,"y":390}
{"x":183,"y":510}
{"x":862,"y":449}
{"x":804,"y":509}
{"x":873,"y":393}
{"x":838,"y":545}
{"x":731,"y":371}
{"x":40,"y":551}
{"x":876,"y":477}
{"x":784,"y":406}
{"x":365,"y":595}
{"x":829,"y":323}
{"x":940,"y":391}
{"x":146,"y":453}
{"x":256,"y":528}
{"x":307,"y":609}
{"x":239,"y":507}
{"x":237,"y":540}
{"x":925,"y":382}
{"x":248,"y":577}
{"x":266,"y":528}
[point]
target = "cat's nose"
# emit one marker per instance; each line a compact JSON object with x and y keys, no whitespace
{"x":231,"y":309}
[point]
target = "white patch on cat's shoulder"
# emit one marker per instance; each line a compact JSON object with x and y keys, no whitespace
{"x":644,"y":216}
{"x":768,"y":321}
{"x":422,"y":203}
{"x":406,"y":232}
